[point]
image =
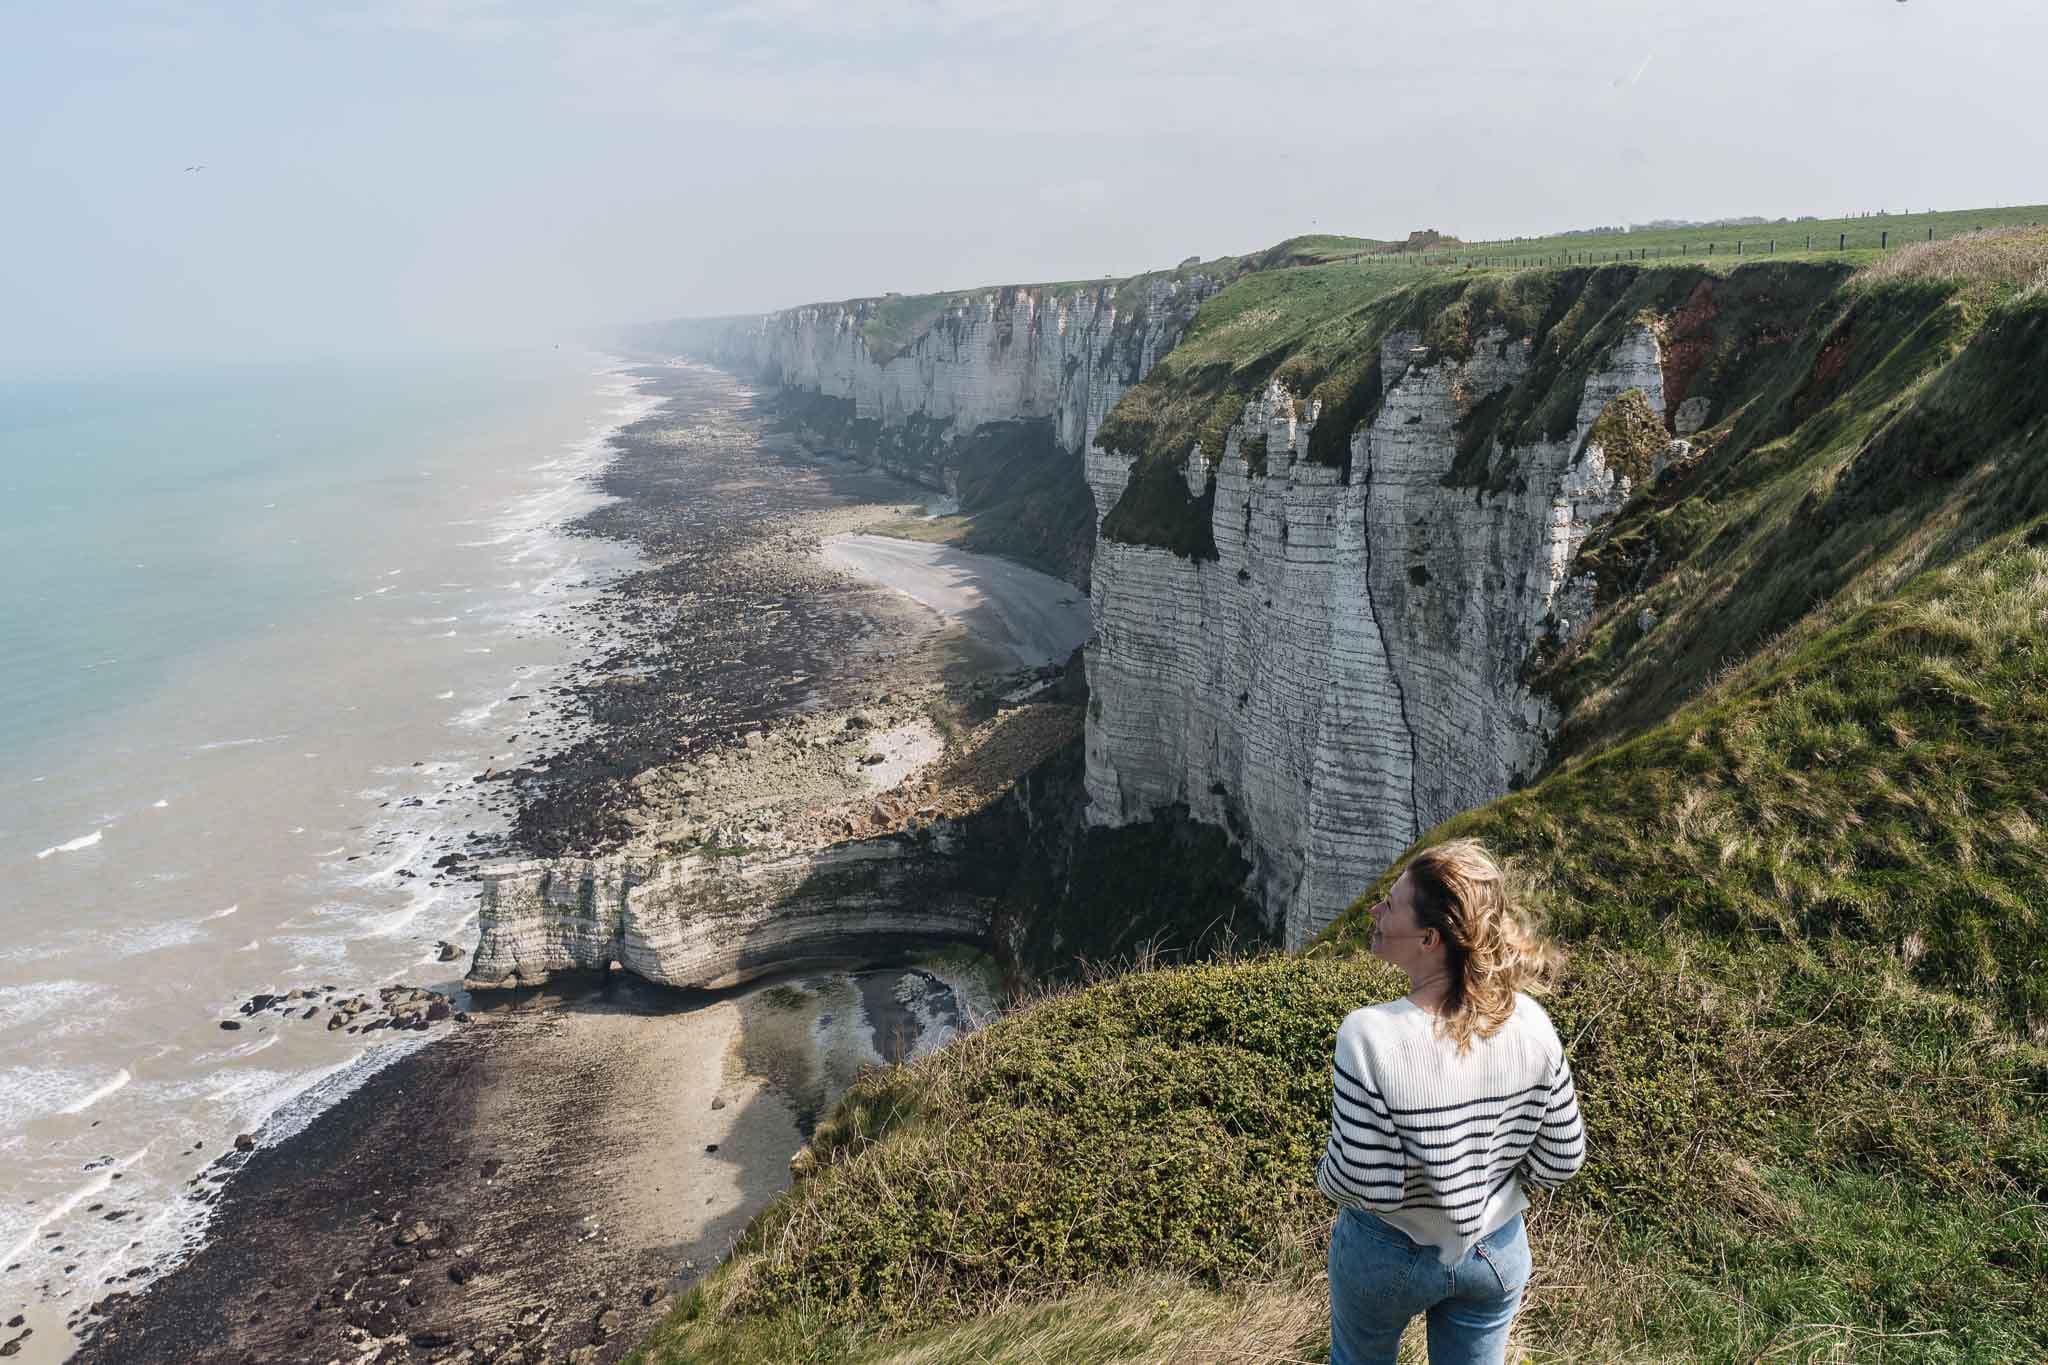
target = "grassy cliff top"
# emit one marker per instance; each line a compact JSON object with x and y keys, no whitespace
{"x":1362,"y":268}
{"x":893,"y":323}
{"x":1793,"y":847}
{"x":1864,"y":235}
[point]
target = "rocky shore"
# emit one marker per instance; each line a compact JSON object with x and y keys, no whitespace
{"x":737,"y":619}
{"x":513,"y":1193}
{"x":536,"y":1182}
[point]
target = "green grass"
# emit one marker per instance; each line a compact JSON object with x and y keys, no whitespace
{"x":1863,"y":234}
{"x":1787,"y":1144}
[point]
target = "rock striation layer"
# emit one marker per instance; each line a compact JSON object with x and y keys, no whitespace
{"x":1346,"y":673}
{"x":1019,"y":353}
{"x":711,"y":920}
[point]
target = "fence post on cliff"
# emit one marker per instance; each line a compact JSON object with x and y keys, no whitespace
{"x":1843,"y":244}
{"x":1884,"y":240}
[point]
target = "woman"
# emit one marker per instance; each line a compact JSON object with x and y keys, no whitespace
{"x":1445,"y":1103}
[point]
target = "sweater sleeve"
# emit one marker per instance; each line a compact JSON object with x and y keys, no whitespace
{"x":1364,"y":1165}
{"x":1560,"y":1146}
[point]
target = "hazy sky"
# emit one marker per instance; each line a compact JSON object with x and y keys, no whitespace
{"x":404,"y":174}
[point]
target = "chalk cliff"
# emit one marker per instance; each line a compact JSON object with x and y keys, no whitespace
{"x":1343,"y":670}
{"x":1346,"y":672}
{"x":1062,"y":355}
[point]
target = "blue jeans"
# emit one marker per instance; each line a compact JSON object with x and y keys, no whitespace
{"x":1380,"y":1278}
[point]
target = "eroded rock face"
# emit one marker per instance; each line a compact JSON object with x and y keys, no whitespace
{"x":996,"y":355}
{"x":1346,"y":673}
{"x":707,"y":921}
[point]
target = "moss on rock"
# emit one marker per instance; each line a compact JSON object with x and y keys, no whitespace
{"x":1630,"y":436}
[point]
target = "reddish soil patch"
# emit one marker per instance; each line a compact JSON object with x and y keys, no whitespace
{"x":1688,"y":346}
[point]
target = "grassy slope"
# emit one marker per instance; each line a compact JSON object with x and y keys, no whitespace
{"x":1793,"y":843}
{"x":1864,"y":236}
{"x":892,"y":324}
{"x":1317,"y":329}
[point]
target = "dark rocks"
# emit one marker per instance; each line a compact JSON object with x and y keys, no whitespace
{"x":491,"y":1167}
{"x":710,"y":1146}
{"x":447,"y":952}
{"x":230,"y":1024}
{"x":717,"y":1103}
{"x":417,"y":1232}
{"x":244,"y":1143}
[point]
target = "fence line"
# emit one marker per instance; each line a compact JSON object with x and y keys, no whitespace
{"x":1715,"y":248}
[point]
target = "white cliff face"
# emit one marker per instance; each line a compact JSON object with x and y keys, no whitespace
{"x":999,"y":355}
{"x":707,"y":922}
{"x":1346,"y":673}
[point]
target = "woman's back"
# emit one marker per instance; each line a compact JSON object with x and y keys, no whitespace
{"x":1442,"y":1105}
{"x":1436,"y":1141}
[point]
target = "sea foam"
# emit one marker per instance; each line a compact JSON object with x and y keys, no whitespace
{"x":82,"y":841}
{"x":93,"y":1097}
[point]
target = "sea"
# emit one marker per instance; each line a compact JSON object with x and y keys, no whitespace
{"x":261,"y":630}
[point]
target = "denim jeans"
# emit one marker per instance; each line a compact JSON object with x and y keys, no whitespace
{"x":1380,"y":1278}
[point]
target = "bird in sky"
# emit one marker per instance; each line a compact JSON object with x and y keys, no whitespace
{"x":195,"y":168}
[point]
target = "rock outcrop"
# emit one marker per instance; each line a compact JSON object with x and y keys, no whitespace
{"x":711,"y":920}
{"x":1346,"y":673}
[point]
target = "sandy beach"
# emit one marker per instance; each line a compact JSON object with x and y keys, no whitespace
{"x":1035,"y":617}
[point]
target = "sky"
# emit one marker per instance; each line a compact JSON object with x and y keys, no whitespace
{"x":401,"y":176}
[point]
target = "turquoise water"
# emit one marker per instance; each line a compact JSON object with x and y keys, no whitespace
{"x":148,"y":519}
{"x":259,"y":633}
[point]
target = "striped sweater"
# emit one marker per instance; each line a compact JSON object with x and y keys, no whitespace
{"x":1438,"y":1144}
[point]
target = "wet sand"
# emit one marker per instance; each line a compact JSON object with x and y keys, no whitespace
{"x":1035,"y":617}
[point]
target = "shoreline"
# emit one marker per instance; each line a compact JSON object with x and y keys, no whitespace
{"x":276,"y":839}
{"x":576,"y":1068}
{"x":318,"y":1246}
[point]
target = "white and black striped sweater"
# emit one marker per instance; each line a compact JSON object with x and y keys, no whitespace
{"x":1438,"y":1144}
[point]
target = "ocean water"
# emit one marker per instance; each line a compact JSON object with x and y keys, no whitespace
{"x":261,"y":630}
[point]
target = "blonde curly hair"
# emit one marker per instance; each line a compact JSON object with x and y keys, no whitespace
{"x":1494,"y":946}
